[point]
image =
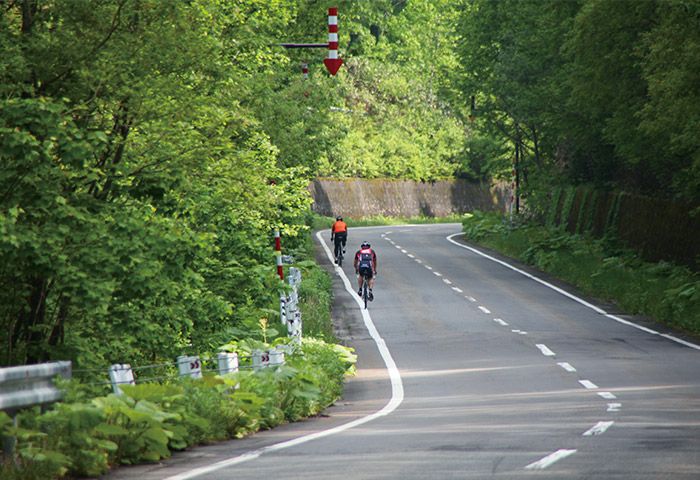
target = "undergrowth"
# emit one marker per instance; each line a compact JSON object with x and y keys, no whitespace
{"x":667,"y":293}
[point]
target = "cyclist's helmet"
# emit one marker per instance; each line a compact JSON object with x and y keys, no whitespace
{"x":365,"y":244}
{"x":340,"y":219}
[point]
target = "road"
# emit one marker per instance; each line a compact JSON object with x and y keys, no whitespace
{"x":471,"y":366}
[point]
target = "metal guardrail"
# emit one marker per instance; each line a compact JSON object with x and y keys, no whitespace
{"x":29,"y":385}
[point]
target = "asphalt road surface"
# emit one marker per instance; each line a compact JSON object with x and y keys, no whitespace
{"x":472,"y":366}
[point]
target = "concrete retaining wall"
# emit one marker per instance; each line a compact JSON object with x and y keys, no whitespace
{"x":357,"y":198}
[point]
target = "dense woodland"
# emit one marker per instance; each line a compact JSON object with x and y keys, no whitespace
{"x":149,"y":147}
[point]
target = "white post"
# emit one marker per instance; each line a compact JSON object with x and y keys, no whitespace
{"x":276,"y":357}
{"x":227,"y":362}
{"x":189,"y":366}
{"x":283,"y":309}
{"x":261,"y":359}
{"x":120,"y":374}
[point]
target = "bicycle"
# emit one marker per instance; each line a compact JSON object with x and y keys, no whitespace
{"x":366,"y":294}
{"x":339,"y":256}
{"x":339,"y":252}
{"x":365,"y":291}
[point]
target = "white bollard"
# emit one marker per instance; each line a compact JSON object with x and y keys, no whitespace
{"x":283,"y":309}
{"x":189,"y":366}
{"x":261,"y":359}
{"x":121,"y":374}
{"x":276,"y":357}
{"x":227,"y":362}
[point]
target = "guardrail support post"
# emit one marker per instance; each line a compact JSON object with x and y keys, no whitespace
{"x":227,"y":362}
{"x":120,"y":374}
{"x":189,"y":366}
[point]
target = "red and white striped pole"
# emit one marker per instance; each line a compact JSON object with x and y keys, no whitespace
{"x":333,"y":63}
{"x":305,"y":71}
{"x":278,"y":249}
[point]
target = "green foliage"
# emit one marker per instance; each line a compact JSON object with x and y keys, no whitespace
{"x":148,"y":421}
{"x":584,"y":92}
{"x":666,"y":292}
{"x":136,"y":194}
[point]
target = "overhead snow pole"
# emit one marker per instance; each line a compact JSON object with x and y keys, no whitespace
{"x":333,"y":63}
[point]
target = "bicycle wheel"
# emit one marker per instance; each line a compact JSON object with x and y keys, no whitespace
{"x":340,"y":258}
{"x":364,"y":292}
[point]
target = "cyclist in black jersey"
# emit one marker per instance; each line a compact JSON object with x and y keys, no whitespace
{"x":366,"y":266}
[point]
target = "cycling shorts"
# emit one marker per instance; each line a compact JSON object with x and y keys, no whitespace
{"x":366,"y":272}
{"x":341,"y":237}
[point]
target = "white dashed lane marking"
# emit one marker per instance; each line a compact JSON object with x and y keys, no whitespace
{"x":545,"y":351}
{"x":598,"y":429}
{"x":566,"y":366}
{"x":550,"y":459}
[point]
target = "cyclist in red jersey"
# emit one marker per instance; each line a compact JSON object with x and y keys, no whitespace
{"x":339,"y":234}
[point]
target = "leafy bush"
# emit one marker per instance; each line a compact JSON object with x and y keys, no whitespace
{"x":149,"y":421}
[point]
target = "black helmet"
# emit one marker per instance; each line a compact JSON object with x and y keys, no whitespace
{"x":340,"y":219}
{"x":365,"y":244}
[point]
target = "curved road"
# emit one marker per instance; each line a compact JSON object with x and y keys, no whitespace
{"x":472,"y":367}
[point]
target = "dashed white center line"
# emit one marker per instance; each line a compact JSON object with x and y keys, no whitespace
{"x":428,"y":267}
{"x":458,"y":290}
{"x":437,"y":274}
{"x":614,"y":407}
{"x":484,"y":309}
{"x":588,"y":384}
{"x":418,"y":261}
{"x":471,"y":299}
{"x":519,"y":332}
{"x":550,"y":459}
{"x":566,"y":366}
{"x":545,"y":351}
{"x":598,"y":429}
{"x":403,"y":251}
{"x":607,"y":395}
{"x":499,"y":321}
{"x":410,"y":256}
{"x":447,"y":281}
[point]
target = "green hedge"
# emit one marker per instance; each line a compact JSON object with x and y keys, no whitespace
{"x":660,"y":229}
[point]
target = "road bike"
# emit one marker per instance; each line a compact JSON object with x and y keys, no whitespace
{"x":366,"y":294}
{"x":339,"y":253}
{"x":365,"y":291}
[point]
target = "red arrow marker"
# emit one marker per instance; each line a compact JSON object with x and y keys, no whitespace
{"x":333,"y":63}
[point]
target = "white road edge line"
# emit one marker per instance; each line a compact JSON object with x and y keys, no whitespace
{"x":572,"y":297}
{"x":397,"y":394}
{"x":550,"y":459}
